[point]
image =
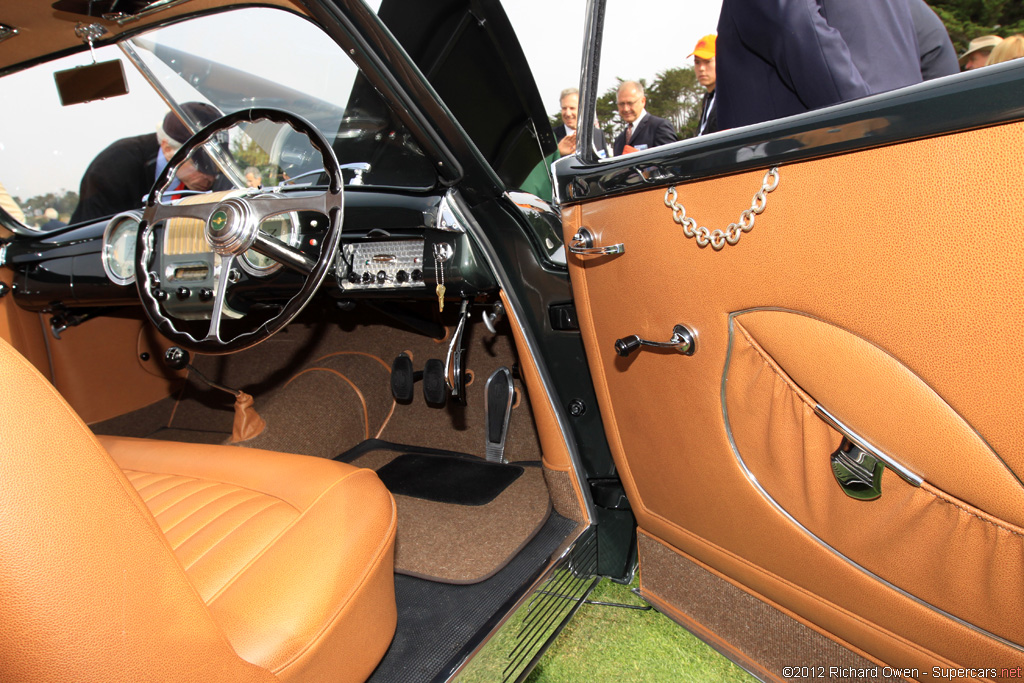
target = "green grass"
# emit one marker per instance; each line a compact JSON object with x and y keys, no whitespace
{"x":615,"y":645}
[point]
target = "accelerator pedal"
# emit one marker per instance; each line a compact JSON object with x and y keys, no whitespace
{"x":498,"y":408}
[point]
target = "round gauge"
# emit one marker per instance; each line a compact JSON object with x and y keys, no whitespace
{"x":119,"y":247}
{"x":285,"y":228}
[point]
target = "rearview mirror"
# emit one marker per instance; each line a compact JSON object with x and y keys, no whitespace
{"x":91,"y":82}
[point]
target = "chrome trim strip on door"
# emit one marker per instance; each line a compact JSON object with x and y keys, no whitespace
{"x":757,"y":485}
{"x":7,"y":32}
{"x":903,"y":473}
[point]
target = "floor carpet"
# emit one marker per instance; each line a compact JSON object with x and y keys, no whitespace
{"x":444,"y":541}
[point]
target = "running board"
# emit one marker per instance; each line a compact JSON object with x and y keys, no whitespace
{"x":515,"y":646}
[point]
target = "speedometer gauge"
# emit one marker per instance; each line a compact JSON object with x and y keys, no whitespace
{"x":119,"y":247}
{"x":283,"y":227}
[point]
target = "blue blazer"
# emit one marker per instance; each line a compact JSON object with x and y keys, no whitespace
{"x":781,"y":57}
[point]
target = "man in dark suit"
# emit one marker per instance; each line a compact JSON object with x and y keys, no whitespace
{"x":123,"y":173}
{"x":565,"y":132}
{"x":642,"y":130}
{"x":781,"y":57}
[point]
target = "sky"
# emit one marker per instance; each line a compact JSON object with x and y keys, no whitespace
{"x":642,"y":38}
{"x":38,"y":155}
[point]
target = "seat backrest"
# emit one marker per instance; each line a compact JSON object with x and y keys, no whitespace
{"x":89,"y":588}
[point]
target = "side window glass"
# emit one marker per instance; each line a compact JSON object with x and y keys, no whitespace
{"x":61,"y":165}
{"x":650,"y":91}
{"x":724,"y":64}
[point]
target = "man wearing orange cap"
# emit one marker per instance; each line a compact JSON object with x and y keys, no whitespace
{"x":704,"y":68}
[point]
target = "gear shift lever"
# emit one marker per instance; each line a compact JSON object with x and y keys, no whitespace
{"x":248,"y":424}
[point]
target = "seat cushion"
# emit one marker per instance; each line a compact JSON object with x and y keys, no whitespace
{"x":293,"y":555}
{"x":89,"y":588}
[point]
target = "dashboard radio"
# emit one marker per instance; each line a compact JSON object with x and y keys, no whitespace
{"x":381,"y":265}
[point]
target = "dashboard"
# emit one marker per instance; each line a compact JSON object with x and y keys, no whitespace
{"x":394,"y":245}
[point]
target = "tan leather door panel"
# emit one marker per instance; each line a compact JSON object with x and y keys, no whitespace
{"x":890,"y":299}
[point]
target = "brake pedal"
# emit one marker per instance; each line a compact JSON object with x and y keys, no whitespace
{"x":498,"y":408}
{"x":435,"y":391}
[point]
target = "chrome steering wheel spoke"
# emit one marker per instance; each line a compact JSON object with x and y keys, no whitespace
{"x":283,"y":253}
{"x":224,"y":264}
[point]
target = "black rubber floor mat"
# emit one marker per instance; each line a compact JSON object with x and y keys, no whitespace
{"x":447,"y":479}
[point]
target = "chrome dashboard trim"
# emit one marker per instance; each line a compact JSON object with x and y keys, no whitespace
{"x":447,"y":219}
{"x":134,"y":215}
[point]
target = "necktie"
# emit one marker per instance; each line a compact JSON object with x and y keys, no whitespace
{"x":629,"y":132}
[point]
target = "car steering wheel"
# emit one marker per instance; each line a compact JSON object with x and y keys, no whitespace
{"x":231,"y":226}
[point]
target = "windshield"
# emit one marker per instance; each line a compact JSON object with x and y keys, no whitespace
{"x":55,"y":159}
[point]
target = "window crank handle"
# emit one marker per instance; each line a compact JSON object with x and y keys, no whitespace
{"x":682,"y":340}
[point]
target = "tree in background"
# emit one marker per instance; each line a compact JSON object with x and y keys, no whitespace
{"x":248,"y":153}
{"x":967,"y":19}
{"x":676,"y":95}
{"x":64,"y":202}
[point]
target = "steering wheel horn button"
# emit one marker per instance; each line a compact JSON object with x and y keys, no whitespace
{"x":231,"y":228}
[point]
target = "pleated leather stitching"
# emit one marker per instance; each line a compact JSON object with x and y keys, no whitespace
{"x":227,"y":492}
{"x":145,"y":489}
{"x":227,"y":535}
{"x":291,"y":525}
{"x":188,"y":493}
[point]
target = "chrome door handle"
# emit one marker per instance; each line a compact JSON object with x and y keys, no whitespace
{"x":682,"y":341}
{"x":582,"y":244}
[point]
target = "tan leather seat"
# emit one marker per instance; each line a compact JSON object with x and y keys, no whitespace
{"x":227,"y":564}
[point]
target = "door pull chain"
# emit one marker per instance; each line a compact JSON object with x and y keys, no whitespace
{"x":731,"y":235}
